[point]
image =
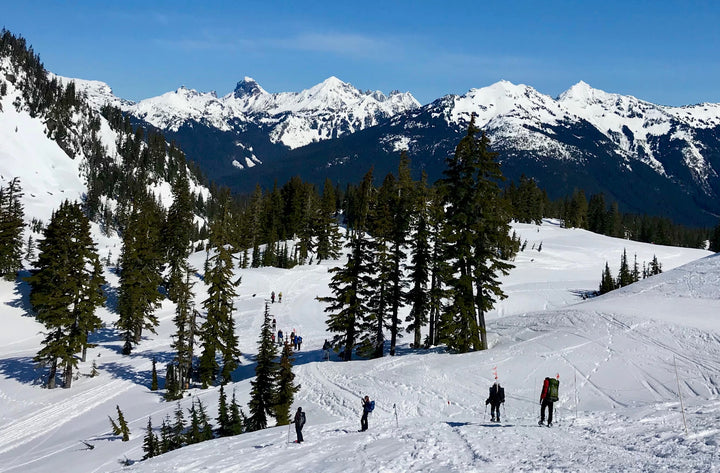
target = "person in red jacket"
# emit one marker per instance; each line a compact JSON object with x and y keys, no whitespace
{"x":546,"y":401}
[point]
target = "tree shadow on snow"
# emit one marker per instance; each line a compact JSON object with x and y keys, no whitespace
{"x":126,"y":371}
{"x":22,"y":293}
{"x":23,"y":369}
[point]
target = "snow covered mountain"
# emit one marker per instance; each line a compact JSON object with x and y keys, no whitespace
{"x":327,"y":110}
{"x":649,"y":158}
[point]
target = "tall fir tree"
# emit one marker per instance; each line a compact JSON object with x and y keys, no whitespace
{"x":177,"y":236}
{"x":218,"y":332}
{"x":140,"y":277}
{"x":329,"y":238}
{"x":11,"y":229}
{"x":625,"y":274}
{"x":262,"y":393}
{"x":150,"y":442}
{"x":66,"y":290}
{"x":285,"y":387}
{"x":237,"y":417}
{"x":420,"y":254}
{"x":476,"y":233}
{"x":184,"y":339}
{"x":351,"y":284}
{"x":607,"y":283}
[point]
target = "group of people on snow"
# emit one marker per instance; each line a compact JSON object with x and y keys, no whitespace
{"x":294,"y":340}
{"x":496,"y":398}
{"x":272,"y":297}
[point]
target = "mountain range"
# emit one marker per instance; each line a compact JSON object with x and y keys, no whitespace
{"x":649,"y":158}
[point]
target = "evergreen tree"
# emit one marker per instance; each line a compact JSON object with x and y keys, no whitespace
{"x":262,"y":393}
{"x":439,"y":268}
{"x":607,"y":283}
{"x":177,"y":236}
{"x":150,"y":442}
{"x":195,"y":433}
{"x":715,"y":239}
{"x":165,"y":443}
{"x":223,"y":418}
{"x":218,"y":331}
{"x":237,"y":418}
{"x":286,"y":389}
{"x":140,"y":276}
{"x":420,"y":255}
{"x":351,"y":284}
{"x":184,"y":340}
{"x":177,"y":430}
{"x":475,"y":234}
{"x":11,"y":229}
{"x":329,"y":239}
{"x":206,"y":432}
{"x":122,"y":424}
{"x":625,"y":275}
{"x":655,"y":266}
{"x":154,"y":376}
{"x":66,"y":289}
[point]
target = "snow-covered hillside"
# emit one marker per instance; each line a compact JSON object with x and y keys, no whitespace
{"x":325,"y":111}
{"x":619,"y":408}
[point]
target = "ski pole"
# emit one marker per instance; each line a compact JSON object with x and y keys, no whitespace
{"x":397,"y":424}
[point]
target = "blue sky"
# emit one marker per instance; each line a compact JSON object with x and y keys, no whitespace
{"x":665,"y":52}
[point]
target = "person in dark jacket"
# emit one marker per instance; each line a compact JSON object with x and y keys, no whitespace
{"x":496,"y":397}
{"x":299,"y":422}
{"x":546,"y":402}
{"x":368,"y":406}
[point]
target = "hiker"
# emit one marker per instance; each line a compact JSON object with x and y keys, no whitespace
{"x":548,"y":396}
{"x":274,"y":325}
{"x":292,"y":340}
{"x":299,"y":422}
{"x":280,"y":337}
{"x":298,"y":340}
{"x":272,"y":297}
{"x":368,"y":407}
{"x":496,"y":397}
{"x":279,"y":297}
{"x":326,"y":350}
{"x":273,"y":338}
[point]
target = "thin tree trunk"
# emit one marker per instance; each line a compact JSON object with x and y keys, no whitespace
{"x":67,"y":375}
{"x":51,"y":375}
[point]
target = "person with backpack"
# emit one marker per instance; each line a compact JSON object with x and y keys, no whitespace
{"x":548,"y":396}
{"x":299,"y":422}
{"x":368,"y":407}
{"x":280,"y":337}
{"x":496,"y":397}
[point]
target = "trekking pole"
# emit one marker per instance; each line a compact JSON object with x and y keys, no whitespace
{"x":397,"y":424}
{"x":485,"y":415}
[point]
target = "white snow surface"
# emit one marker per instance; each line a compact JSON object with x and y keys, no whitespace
{"x":616,"y":355}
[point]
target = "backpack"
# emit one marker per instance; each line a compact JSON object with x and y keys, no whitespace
{"x":552,"y":392}
{"x":371,"y":406}
{"x":302,"y":419}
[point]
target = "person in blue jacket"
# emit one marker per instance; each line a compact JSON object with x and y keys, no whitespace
{"x":368,"y":407}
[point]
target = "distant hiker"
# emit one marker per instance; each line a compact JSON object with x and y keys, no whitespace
{"x":496,"y":397}
{"x":279,"y":297}
{"x":272,"y":297}
{"x":299,"y":422}
{"x":273,"y":338}
{"x":326,"y":350}
{"x":274,"y":325}
{"x":548,"y":396}
{"x":368,"y":407}
{"x":280,"y":337}
{"x":292,"y":340}
{"x":298,"y":340}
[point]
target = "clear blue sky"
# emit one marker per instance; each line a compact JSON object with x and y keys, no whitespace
{"x":665,"y":52}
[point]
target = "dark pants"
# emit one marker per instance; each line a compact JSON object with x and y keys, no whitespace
{"x":549,"y":405}
{"x":298,"y":431}
{"x":363,"y":421}
{"x":495,"y":411}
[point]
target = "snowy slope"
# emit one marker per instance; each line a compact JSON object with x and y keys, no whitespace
{"x":623,"y":357}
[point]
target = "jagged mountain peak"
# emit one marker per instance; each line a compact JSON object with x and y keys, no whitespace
{"x":248,"y":87}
